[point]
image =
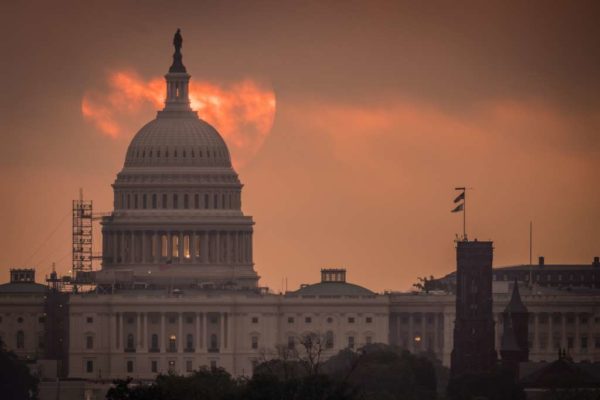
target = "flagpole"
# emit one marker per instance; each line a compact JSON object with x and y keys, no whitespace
{"x":465,"y":214}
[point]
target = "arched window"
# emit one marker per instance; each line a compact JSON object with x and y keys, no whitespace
{"x":130,"y":341}
{"x":20,"y":340}
{"x":164,"y":247}
{"x":175,"y":239}
{"x":154,"y":341}
{"x":214,"y":345}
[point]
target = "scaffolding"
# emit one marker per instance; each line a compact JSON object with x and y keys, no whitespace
{"x":82,"y":240}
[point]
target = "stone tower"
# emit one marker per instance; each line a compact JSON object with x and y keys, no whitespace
{"x":473,"y":350}
{"x":515,"y":347}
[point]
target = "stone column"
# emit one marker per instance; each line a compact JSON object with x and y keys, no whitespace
{"x":115,"y":249}
{"x":197,"y":331}
{"x":138,"y":331}
{"x":114,"y":332}
{"x":551,"y":333}
{"x":577,"y":339}
{"x":162,"y":340}
{"x":193,"y":246}
{"x":181,"y":255}
{"x":204,"y":252}
{"x":435,"y":333}
{"x":120,"y":332}
{"x":222,"y":333}
{"x":563,"y":333}
{"x":180,"y":332}
{"x":143,"y":238}
{"x":217,"y":247}
{"x":132,"y":248}
{"x":122,"y":234}
{"x":145,"y":329}
{"x":411,"y":337}
{"x":536,"y":333}
{"x":204,"y":338}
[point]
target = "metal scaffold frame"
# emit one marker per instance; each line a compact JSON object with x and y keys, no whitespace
{"x":82,"y":240}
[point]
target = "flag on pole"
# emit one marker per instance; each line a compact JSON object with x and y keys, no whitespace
{"x":459,"y":197}
{"x":458,"y":208}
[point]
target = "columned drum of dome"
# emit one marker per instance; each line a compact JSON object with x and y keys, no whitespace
{"x":177,"y":216}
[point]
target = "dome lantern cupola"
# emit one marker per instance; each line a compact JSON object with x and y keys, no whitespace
{"x":178,"y":80}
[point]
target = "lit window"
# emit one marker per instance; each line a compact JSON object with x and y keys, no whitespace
{"x":164,"y":248}
{"x":172,"y":343}
{"x":175,"y":240}
{"x":186,"y":246}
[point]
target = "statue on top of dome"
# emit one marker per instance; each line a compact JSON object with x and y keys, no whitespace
{"x":177,"y":41}
{"x":177,"y":65}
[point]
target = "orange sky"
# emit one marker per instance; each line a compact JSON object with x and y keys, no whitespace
{"x":350,"y":124}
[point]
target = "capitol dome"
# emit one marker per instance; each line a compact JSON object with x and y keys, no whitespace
{"x":184,"y":140}
{"x":177,"y":217}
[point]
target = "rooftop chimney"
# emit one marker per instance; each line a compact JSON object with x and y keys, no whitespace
{"x":541,"y":261}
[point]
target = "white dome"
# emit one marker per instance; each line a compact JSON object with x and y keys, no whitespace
{"x":177,"y":139}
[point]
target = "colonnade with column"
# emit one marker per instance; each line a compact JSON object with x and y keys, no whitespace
{"x":418,"y":331}
{"x":177,"y":246}
{"x":209,"y":330}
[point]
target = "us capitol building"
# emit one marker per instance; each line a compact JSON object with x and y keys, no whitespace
{"x":178,"y":289}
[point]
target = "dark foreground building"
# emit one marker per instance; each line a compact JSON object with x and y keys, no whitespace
{"x":474,"y":349}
